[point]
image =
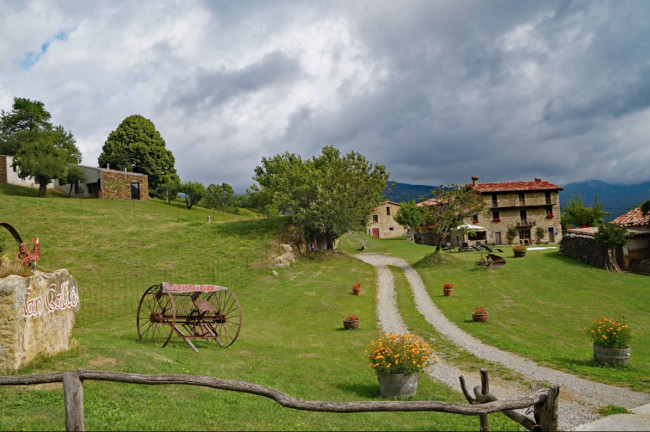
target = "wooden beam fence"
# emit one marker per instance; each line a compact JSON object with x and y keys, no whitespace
{"x":544,"y":401}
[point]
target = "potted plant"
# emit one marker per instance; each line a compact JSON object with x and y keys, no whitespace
{"x":447,"y":288}
{"x":398,"y":359}
{"x":356,"y":289}
{"x":480,"y":314}
{"x":611,"y":340}
{"x":519,"y":250}
{"x":350,"y":321}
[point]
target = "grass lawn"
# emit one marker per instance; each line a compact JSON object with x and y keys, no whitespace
{"x":537,"y":305}
{"x":291,"y":339}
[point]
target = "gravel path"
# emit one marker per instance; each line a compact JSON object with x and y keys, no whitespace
{"x":579,"y":398}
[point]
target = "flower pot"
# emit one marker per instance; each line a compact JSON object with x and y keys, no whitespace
{"x":447,"y":291}
{"x":520,"y":254}
{"x":356,"y":291}
{"x":398,"y":385}
{"x":612,"y":356}
{"x":350,"y":324}
{"x":480,"y":317}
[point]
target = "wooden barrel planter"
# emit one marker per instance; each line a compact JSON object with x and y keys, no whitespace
{"x":398,"y":385}
{"x":612,"y":356}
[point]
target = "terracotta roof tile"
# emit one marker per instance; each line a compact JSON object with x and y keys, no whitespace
{"x":516,"y":186}
{"x":633,"y":218}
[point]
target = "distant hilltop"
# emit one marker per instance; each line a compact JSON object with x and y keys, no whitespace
{"x":616,"y":199}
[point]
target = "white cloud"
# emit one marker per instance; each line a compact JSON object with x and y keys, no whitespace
{"x":436,"y":91}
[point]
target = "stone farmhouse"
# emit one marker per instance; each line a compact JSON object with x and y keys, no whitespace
{"x":530,"y":208}
{"x":525,"y":206}
{"x":382,"y":222}
{"x":99,"y":183}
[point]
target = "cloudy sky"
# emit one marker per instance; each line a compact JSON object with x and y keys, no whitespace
{"x":437,"y":91}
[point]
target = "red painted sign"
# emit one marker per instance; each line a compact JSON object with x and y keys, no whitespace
{"x":182,"y":288}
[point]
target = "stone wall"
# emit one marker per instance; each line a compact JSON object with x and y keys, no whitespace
{"x":583,"y":248}
{"x":37,"y":314}
{"x":3,"y":169}
{"x":117,"y":185}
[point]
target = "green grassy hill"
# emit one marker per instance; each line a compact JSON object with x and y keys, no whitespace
{"x":291,"y":338}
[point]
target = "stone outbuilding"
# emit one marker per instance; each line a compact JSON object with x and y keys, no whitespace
{"x":99,"y":183}
{"x":636,"y":255}
{"x":108,"y":183}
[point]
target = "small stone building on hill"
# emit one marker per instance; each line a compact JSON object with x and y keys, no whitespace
{"x":99,"y":183}
{"x":108,"y":183}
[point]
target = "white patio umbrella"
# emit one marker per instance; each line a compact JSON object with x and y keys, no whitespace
{"x":470,"y":226}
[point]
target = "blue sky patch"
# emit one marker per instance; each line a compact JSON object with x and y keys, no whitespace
{"x":31,"y":58}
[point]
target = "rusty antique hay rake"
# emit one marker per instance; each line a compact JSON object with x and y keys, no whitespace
{"x":207,"y":312}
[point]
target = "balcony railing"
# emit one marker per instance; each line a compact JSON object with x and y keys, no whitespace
{"x":524,"y":223}
{"x":530,"y":202}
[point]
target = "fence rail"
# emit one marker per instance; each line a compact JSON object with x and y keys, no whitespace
{"x":544,"y":401}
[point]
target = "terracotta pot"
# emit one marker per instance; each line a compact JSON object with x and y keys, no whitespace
{"x":447,"y":291}
{"x":350,"y":324}
{"x":356,"y":291}
{"x":520,"y":254}
{"x":480,"y":317}
{"x":398,"y":385}
{"x":612,"y":356}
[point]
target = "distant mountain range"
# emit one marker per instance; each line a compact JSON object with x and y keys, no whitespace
{"x":616,"y":199}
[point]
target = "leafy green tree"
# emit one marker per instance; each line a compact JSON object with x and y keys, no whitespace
{"x":40,"y":150}
{"x":169,"y":190}
{"x":574,"y":213}
{"x":453,"y":205}
{"x":409,"y":214}
{"x":193,"y":191}
{"x":611,"y":237}
{"x":73,"y":175}
{"x":330,"y":193}
{"x":220,"y":197}
{"x":137,"y":146}
{"x":645,"y":208}
{"x":23,"y":123}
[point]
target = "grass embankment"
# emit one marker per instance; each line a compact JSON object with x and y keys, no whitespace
{"x":291,"y":338}
{"x":537,"y":305}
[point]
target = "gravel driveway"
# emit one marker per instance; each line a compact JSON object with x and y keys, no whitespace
{"x":579,"y":398}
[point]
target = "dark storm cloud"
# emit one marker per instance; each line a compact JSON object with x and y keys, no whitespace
{"x":458,"y":101}
{"x":208,"y":89}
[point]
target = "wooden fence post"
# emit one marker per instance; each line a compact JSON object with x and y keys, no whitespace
{"x":485,"y":390}
{"x":546,"y":413}
{"x":73,"y":396}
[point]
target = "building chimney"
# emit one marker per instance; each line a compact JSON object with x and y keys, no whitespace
{"x":124,"y":169}
{"x":538,"y":179}
{"x":474,"y":181}
{"x":108,"y":166}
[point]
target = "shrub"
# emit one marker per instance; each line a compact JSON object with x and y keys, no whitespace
{"x":519,"y":248}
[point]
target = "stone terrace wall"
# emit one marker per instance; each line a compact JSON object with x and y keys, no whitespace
{"x":583,"y":248}
{"x":37,"y":314}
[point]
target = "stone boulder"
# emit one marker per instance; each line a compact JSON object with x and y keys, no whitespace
{"x":37,"y":314}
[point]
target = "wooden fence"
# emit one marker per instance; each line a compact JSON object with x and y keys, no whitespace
{"x":544,"y":401}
